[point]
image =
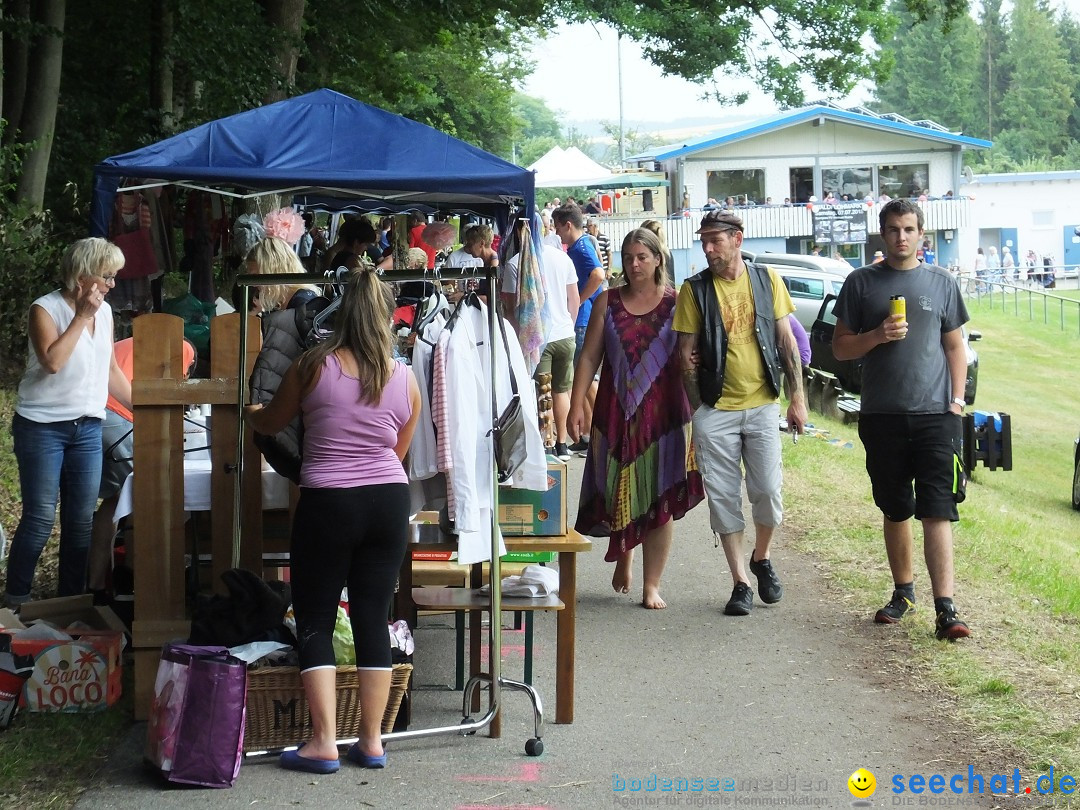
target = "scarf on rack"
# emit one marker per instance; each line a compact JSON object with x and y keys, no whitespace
{"x":530,"y":300}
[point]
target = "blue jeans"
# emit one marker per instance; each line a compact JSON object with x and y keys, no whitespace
{"x":55,"y":459}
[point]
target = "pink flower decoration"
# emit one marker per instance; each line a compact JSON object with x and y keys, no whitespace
{"x":285,"y":224}
{"x":439,"y":235}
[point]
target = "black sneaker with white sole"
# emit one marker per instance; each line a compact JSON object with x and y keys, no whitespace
{"x":563,"y":452}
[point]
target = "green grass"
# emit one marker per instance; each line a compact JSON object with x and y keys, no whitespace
{"x":1017,"y":567}
{"x":49,"y":759}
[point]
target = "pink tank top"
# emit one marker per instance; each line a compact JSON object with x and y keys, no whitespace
{"x":349,"y":443}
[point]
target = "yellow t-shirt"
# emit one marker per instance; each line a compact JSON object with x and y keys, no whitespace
{"x":745,"y":384}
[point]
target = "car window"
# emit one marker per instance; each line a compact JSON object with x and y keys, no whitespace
{"x":827,"y":314}
{"x":836,"y":285}
{"x":805,"y":287}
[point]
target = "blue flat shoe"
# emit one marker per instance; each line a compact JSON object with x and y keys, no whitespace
{"x":291,"y":760}
{"x":363,"y":760}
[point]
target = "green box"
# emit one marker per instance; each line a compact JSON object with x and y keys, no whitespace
{"x":528,"y":513}
{"x":529,"y":556}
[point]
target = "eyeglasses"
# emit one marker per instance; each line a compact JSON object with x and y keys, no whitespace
{"x":109,"y":279}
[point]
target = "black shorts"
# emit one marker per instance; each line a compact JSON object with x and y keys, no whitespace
{"x":912,"y":463}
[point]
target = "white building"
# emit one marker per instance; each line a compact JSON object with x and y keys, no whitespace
{"x":780,"y":168}
{"x":1025,"y":211}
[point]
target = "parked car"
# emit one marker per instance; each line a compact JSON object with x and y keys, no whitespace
{"x":808,"y":280}
{"x":1076,"y":474}
{"x":849,"y":372}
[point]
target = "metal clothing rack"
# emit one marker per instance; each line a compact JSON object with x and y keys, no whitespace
{"x":494,"y":677}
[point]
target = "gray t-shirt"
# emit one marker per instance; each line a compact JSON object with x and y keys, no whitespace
{"x":909,"y":375}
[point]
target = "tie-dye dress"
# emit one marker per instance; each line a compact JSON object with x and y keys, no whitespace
{"x":640,"y":471}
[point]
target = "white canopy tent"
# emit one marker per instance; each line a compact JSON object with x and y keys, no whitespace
{"x":567,"y":168}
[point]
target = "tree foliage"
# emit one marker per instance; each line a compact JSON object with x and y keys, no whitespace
{"x":1010,"y":79}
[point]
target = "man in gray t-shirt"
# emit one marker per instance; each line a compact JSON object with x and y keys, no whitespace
{"x":914,"y":370}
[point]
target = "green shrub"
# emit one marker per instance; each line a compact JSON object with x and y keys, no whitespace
{"x":29,"y":260}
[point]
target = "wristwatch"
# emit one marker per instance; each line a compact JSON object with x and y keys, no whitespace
{"x":959,"y":401}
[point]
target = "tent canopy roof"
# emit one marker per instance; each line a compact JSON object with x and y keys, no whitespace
{"x":567,"y":168}
{"x":323,"y":144}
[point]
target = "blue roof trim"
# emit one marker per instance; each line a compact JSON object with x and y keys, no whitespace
{"x":802,"y":114}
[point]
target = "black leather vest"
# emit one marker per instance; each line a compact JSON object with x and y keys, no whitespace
{"x":713,"y":339}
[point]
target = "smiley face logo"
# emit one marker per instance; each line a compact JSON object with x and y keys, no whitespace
{"x":862,"y":784}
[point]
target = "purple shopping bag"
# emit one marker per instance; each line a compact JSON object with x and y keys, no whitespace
{"x":196,"y":729}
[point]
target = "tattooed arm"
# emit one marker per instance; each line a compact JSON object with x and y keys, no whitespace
{"x":788,"y":350}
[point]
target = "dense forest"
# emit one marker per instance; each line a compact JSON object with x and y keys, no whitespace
{"x":1010,"y":78}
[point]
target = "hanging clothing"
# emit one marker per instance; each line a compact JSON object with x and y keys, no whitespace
{"x":459,"y":448}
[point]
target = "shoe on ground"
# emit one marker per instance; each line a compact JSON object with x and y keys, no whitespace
{"x":895,"y":610}
{"x":741,"y":601}
{"x":580,"y":446}
{"x":563,"y":452}
{"x":292,"y":761}
{"x":949,"y":626}
{"x":354,"y":754}
{"x":769,"y":588}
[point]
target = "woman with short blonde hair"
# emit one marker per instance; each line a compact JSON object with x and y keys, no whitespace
{"x":70,"y":372}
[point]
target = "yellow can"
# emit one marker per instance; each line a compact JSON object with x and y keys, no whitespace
{"x":898,"y":306}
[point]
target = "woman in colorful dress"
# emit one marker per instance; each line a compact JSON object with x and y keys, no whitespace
{"x":640,"y":474}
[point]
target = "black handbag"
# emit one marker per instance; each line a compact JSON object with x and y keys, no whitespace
{"x":508,"y":432}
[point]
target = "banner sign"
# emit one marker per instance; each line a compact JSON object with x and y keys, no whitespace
{"x":843,"y":224}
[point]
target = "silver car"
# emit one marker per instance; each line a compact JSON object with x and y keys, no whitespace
{"x":809,"y":279}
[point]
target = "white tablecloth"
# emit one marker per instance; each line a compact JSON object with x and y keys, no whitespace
{"x":275,"y":489}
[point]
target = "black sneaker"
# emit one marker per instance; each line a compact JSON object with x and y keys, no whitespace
{"x":768,"y":583}
{"x":895,"y":610}
{"x":949,"y":626}
{"x":580,"y":446}
{"x":741,"y":601}
{"x":563,"y":452}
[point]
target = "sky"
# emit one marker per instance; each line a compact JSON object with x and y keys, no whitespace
{"x":648,"y":95}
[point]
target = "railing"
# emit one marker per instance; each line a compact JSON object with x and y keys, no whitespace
{"x":761,"y":221}
{"x":1015,"y":297}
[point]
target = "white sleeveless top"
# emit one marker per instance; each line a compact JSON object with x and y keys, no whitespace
{"x":81,"y":387}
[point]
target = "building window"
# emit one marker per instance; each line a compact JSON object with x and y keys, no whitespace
{"x":854,"y":181}
{"x":908,"y":180}
{"x":744,"y":185}
{"x":801,"y":181}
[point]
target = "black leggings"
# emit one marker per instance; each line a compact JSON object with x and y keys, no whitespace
{"x":356,"y":536}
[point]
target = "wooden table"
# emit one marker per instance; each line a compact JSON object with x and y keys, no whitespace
{"x":568,"y":547}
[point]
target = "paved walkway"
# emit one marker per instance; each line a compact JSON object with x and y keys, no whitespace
{"x":786,"y":703}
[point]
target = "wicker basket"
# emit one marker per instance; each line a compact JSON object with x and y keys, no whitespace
{"x":277,"y":711}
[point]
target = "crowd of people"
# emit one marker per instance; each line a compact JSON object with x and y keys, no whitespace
{"x":673,"y":399}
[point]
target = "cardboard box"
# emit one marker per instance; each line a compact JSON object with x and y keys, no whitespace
{"x":526,"y":512}
{"x":426,"y":525}
{"x":80,"y":675}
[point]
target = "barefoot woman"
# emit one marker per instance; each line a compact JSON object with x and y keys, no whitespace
{"x":640,"y":473}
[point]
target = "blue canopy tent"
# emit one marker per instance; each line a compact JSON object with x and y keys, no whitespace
{"x":327,"y":147}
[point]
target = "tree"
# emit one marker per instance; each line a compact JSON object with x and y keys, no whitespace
{"x":634,"y":140}
{"x":1036,"y":105}
{"x":993,"y":69}
{"x":934,"y":68}
{"x":1069,"y":35}
{"x":39,"y":95}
